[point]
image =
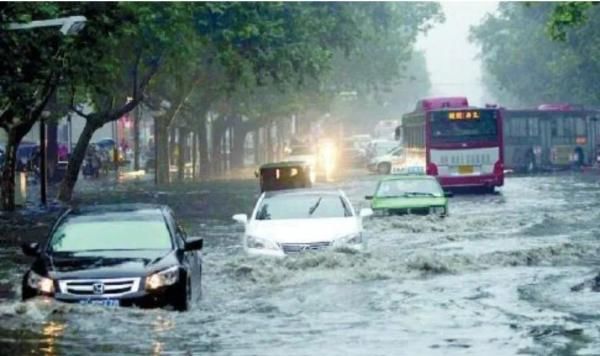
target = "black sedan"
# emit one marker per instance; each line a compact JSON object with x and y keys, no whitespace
{"x":116,"y":255}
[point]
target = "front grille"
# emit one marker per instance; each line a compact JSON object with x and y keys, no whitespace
{"x":112,"y":287}
{"x":297,"y":248}
{"x":414,"y":211}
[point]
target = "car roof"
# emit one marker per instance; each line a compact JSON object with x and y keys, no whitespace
{"x":303,"y":191}
{"x":144,"y":211}
{"x":284,"y":164}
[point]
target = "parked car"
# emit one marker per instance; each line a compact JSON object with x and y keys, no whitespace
{"x":383,"y":164}
{"x":409,"y":194}
{"x":116,"y":255}
{"x":293,"y":221}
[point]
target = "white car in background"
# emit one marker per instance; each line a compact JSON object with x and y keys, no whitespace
{"x":383,"y":164}
{"x":301,"y":220}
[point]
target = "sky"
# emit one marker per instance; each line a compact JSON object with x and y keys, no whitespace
{"x":451,"y":58}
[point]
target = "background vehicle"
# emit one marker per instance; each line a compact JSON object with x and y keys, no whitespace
{"x":384,"y":129}
{"x":379,"y":147}
{"x":383,"y":164}
{"x":553,"y":136}
{"x":116,"y":255}
{"x":409,"y":194}
{"x":293,"y":221}
{"x":284,"y":175}
{"x":460,"y":145}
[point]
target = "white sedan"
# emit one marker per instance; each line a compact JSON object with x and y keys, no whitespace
{"x":292,"y":221}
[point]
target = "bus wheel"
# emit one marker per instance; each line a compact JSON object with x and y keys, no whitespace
{"x":384,"y":168}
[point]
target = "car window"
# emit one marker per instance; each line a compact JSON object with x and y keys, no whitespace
{"x":403,"y":187}
{"x":310,"y":206}
{"x":73,"y":235}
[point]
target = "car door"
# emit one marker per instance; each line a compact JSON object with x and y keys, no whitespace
{"x":192,"y":260}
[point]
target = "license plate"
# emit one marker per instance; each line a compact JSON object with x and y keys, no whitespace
{"x":465,"y":169}
{"x":101,"y":302}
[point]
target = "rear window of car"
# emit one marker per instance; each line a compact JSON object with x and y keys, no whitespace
{"x":76,"y":235}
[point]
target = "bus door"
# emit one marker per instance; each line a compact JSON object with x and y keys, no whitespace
{"x":545,"y":124}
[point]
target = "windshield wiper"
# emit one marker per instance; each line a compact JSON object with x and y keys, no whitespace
{"x":314,"y":207}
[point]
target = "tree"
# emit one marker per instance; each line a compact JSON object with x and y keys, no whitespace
{"x":115,"y":72}
{"x":523,"y":62}
{"x":33,"y":65}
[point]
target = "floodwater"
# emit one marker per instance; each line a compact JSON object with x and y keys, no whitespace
{"x":494,"y":278}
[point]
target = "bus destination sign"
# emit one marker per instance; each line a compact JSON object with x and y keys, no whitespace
{"x":464,"y":115}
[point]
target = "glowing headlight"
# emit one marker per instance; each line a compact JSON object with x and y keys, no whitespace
{"x":259,"y":243}
{"x":163,"y":278}
{"x":440,"y":210}
{"x":43,"y":284}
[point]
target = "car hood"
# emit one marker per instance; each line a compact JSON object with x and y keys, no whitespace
{"x":304,"y":230}
{"x":407,"y":202}
{"x":107,"y":264}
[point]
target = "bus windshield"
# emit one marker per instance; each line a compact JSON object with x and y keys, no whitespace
{"x":449,"y":126}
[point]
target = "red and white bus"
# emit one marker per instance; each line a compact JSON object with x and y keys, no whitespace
{"x":461,"y":145}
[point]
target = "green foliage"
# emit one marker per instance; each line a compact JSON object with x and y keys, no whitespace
{"x":567,"y":15}
{"x":525,"y":67}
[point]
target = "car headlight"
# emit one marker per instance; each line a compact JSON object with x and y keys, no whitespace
{"x":260,"y":243}
{"x":440,"y":210}
{"x":42,"y":284}
{"x":163,"y":278}
{"x":352,"y":239}
{"x":380,"y":212}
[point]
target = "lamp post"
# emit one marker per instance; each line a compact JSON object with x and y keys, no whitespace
{"x":68,"y":26}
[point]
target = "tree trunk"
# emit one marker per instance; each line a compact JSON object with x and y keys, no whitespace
{"x":194,"y":154}
{"x":161,"y":143}
{"x":238,"y":151}
{"x":51,"y":148}
{"x":7,"y":186}
{"x":203,"y":146}
{"x":269,"y":143}
{"x":181,"y":157}
{"x":65,"y":193}
{"x":256,"y":138}
{"x":8,"y":172}
{"x":136,"y":138}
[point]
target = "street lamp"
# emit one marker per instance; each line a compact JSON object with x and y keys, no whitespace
{"x":68,"y":26}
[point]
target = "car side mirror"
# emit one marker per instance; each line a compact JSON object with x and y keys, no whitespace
{"x":31,"y":249}
{"x":448,"y":194}
{"x":365,"y":212}
{"x":241,"y":218}
{"x":368,"y":197}
{"x":194,"y":243}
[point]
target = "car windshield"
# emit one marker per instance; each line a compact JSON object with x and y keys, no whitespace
{"x":79,"y":234}
{"x":409,"y":187}
{"x":310,"y":206}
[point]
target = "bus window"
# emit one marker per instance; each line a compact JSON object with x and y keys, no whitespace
{"x":533,"y":127}
{"x":580,"y":126}
{"x":519,"y":127}
{"x":554,"y":128}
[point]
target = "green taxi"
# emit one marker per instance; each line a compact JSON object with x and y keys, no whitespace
{"x":409,"y":194}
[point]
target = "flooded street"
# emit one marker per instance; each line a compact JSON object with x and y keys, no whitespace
{"x":493,"y":278}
